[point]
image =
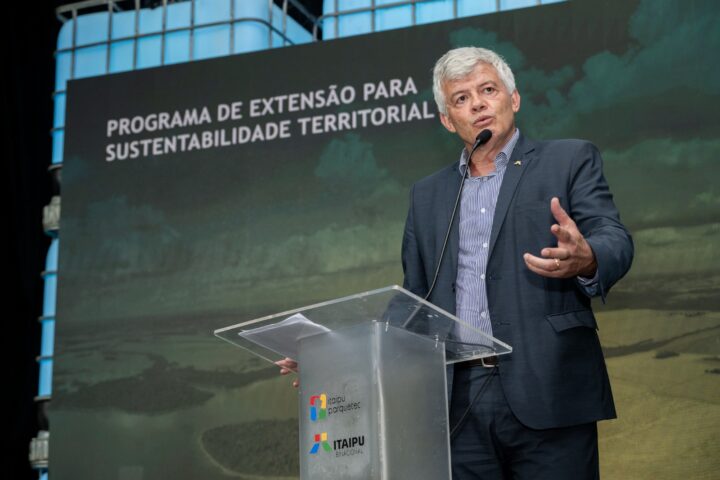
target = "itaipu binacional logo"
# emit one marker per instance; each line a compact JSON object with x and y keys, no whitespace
{"x":318,"y":407}
{"x":343,"y":447}
{"x":321,"y":439}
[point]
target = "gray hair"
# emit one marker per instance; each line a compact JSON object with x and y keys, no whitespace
{"x":460,"y":62}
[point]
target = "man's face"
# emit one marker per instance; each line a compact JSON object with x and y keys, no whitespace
{"x":480,"y":101}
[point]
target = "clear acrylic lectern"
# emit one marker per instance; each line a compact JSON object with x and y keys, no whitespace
{"x":373,"y":394}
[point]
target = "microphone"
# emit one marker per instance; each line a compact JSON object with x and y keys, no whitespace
{"x":480,"y":140}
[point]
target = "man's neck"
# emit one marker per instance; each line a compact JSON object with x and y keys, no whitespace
{"x":483,"y":160}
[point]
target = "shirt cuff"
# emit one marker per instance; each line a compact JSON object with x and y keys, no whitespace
{"x":589,"y":285}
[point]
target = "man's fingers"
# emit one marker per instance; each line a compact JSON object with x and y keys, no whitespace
{"x":286,"y":362}
{"x":561,"y":233}
{"x":559,"y":253}
{"x":551,"y":267}
{"x":540,"y":272}
{"x":287,"y":365}
{"x":559,"y":213}
{"x":544,"y":264}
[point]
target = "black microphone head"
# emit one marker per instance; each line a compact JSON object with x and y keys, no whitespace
{"x":483,"y":137}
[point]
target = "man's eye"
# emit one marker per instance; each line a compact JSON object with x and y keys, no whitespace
{"x":460,"y":99}
{"x":489,"y":89}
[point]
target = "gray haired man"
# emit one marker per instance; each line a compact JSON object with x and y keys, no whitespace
{"x":536,"y":235}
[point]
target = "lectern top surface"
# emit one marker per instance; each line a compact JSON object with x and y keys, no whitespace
{"x":275,"y":337}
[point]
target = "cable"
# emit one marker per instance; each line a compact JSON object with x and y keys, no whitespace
{"x":477,"y":396}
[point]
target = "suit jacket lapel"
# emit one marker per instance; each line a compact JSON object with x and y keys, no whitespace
{"x":513,"y":173}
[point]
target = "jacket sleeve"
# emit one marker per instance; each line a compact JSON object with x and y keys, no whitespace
{"x":593,"y":210}
{"x":413,"y":268}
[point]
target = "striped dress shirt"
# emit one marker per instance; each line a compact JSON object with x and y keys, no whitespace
{"x":477,"y":209}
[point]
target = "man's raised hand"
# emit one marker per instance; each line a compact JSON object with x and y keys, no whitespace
{"x":571,"y":258}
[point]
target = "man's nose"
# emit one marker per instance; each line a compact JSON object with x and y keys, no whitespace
{"x":477,"y":102}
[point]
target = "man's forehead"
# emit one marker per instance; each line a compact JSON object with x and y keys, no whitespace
{"x":469,"y":82}
{"x":483,"y":72}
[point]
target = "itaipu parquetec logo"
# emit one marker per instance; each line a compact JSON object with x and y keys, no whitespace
{"x":318,"y":407}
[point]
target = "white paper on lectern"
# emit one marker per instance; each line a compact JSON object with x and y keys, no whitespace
{"x":282,"y":337}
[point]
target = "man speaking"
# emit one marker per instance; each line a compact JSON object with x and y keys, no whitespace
{"x":515,"y":238}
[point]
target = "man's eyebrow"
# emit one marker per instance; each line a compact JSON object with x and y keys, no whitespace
{"x":458,"y":92}
{"x":466,"y":90}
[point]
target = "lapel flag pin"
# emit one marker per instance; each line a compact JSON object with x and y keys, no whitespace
{"x":518,"y":162}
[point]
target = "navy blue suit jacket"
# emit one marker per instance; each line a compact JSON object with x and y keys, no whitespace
{"x":556,"y":374}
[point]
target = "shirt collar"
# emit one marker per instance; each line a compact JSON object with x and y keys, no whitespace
{"x":502,"y":158}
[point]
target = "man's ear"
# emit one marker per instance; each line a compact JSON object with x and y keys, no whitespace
{"x":515,"y":97}
{"x":447,"y":123}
